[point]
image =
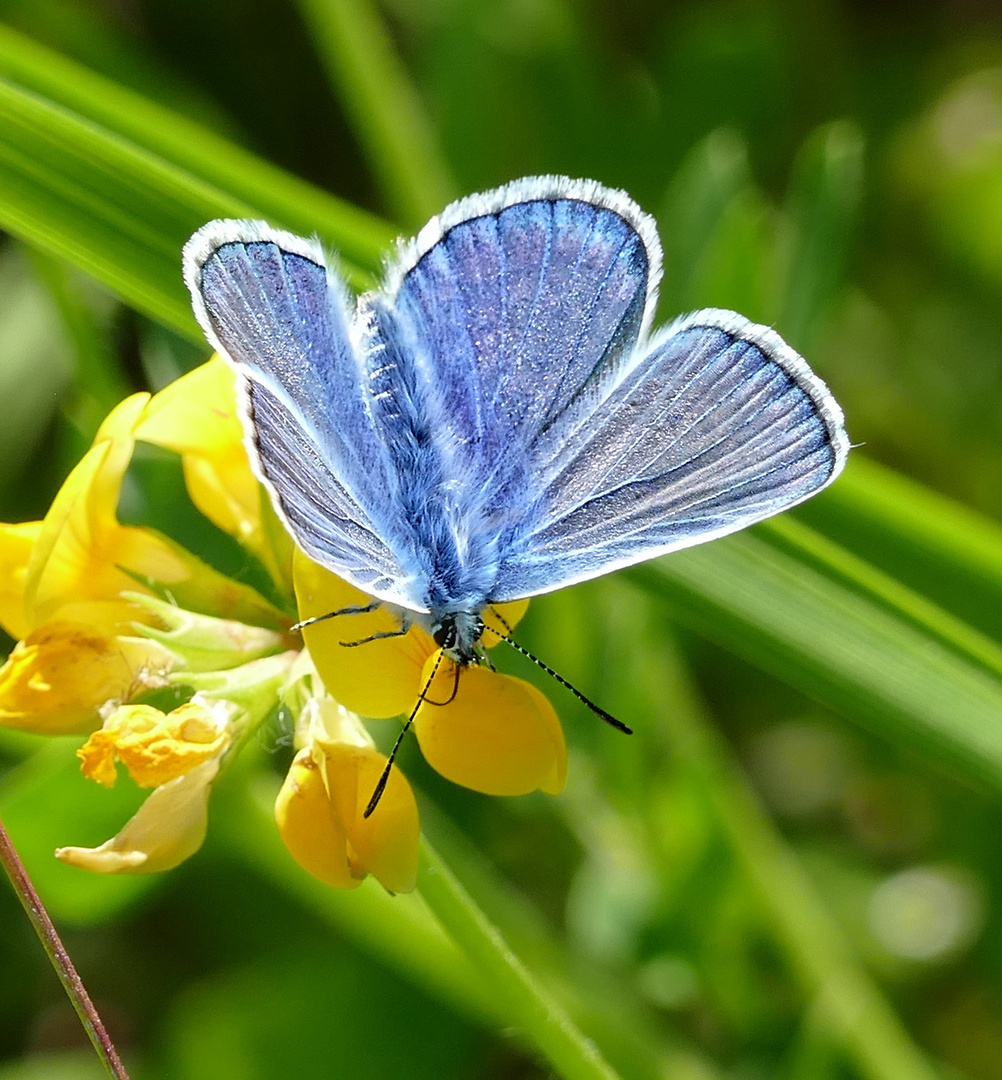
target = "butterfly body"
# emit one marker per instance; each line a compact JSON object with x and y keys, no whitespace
{"x":496,"y":421}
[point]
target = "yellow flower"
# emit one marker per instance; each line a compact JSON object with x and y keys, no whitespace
{"x":167,"y":829}
{"x":179,"y":755}
{"x":495,"y":734}
{"x":55,"y":681}
{"x":320,"y":810}
{"x":67,"y":588}
{"x":84,"y":555}
{"x":155,"y":747}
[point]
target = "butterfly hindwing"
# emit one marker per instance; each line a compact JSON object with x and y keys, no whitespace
{"x":716,"y":425}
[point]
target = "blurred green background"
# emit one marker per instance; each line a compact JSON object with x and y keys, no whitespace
{"x":793,"y":868}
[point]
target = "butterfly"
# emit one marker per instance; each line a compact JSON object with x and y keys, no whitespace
{"x":498,"y":420}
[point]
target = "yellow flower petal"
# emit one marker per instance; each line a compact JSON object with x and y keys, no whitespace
{"x":320,"y":813}
{"x":499,"y":735}
{"x":155,"y":747}
{"x":55,"y":680}
{"x":71,"y":559}
{"x":501,"y":619}
{"x":377,"y":679}
{"x":309,"y":827}
{"x":16,"y":543}
{"x":167,"y":829}
{"x":386,"y":843}
{"x":196,"y":417}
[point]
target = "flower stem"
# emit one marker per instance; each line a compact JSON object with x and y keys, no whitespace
{"x":541,"y":1019}
{"x":61,"y":961}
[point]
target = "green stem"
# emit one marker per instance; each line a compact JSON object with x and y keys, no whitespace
{"x":390,"y":122}
{"x":532,"y":1009}
{"x":61,"y":961}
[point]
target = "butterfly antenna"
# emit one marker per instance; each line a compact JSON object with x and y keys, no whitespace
{"x":422,"y":697}
{"x":607,"y":717}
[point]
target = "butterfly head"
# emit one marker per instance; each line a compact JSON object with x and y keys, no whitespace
{"x":457,"y":633}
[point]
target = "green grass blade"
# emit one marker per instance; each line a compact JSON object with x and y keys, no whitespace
{"x":270,"y":191}
{"x":845,"y":649}
{"x":713,"y":177}
{"x":102,"y":204}
{"x":810,"y":547}
{"x":532,"y":1008}
{"x":384,"y":106}
{"x":947,"y":551}
{"x":107,"y":206}
{"x":822,"y":205}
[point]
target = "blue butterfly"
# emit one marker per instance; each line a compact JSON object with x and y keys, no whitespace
{"x":497,"y":421}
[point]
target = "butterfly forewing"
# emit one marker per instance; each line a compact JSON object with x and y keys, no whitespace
{"x":515,"y":310}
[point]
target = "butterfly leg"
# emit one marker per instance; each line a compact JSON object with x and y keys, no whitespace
{"x":375,"y":637}
{"x":405,"y":625}
{"x":355,"y":609}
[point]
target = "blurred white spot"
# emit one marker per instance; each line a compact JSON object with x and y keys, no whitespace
{"x":801,"y":766}
{"x":609,"y":903}
{"x":669,"y":981}
{"x":969,"y":119}
{"x":925,"y":913}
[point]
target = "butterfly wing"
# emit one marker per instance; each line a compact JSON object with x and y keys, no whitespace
{"x":266,"y":300}
{"x":714,"y":425}
{"x":498,"y":316}
{"x":516,"y":298}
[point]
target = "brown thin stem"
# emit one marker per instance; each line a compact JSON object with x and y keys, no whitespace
{"x":60,"y":958}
